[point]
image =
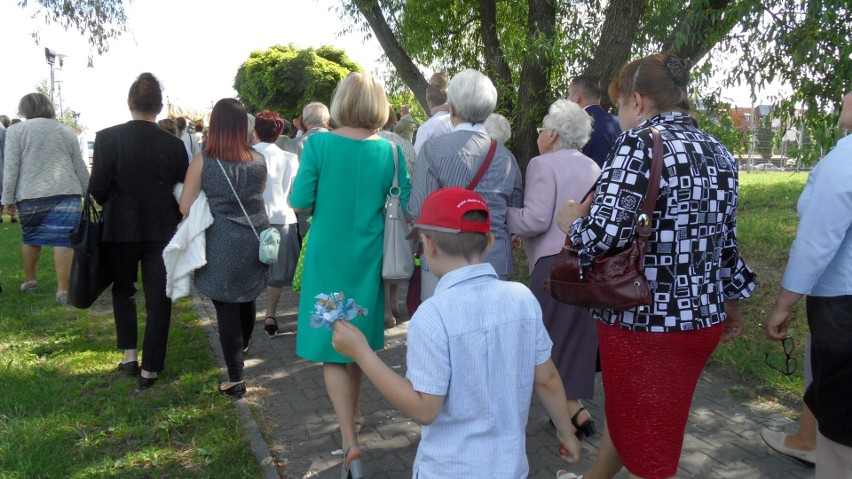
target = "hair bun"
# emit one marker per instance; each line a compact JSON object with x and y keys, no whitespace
{"x":678,"y":69}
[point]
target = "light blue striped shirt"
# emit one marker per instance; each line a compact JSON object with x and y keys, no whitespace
{"x":477,"y":342}
{"x":820,"y":261}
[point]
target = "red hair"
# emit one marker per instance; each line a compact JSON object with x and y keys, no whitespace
{"x":268,"y":126}
{"x":226,"y":137}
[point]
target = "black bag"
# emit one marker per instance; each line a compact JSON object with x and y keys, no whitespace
{"x":88,"y":269}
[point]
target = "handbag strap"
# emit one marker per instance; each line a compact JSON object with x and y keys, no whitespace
{"x":485,"y":165}
{"x":228,"y":179}
{"x":644,"y":225}
{"x":394,"y":191}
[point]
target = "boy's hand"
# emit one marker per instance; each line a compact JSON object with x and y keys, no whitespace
{"x":347,"y":339}
{"x":569,"y":448}
{"x":516,"y":241}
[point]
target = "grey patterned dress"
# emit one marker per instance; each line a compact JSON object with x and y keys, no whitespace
{"x":233,"y":273}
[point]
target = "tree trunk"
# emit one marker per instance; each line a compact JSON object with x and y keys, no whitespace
{"x":495,"y":62}
{"x":617,"y":35}
{"x":703,"y":28}
{"x":535,"y":77}
{"x":397,"y":55}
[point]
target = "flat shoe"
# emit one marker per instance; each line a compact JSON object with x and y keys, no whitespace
{"x":29,"y":286}
{"x":587,"y":429}
{"x":237,"y":390}
{"x":775,"y":440}
{"x":561,"y":474}
{"x":271,"y":329}
{"x":145,"y":383}
{"x":130,"y":367}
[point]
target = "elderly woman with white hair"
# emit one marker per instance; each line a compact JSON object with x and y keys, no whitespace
{"x":497,"y":126}
{"x":455,"y":159}
{"x":560,"y":173}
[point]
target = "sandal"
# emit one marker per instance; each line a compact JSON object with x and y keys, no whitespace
{"x":29,"y":286}
{"x":587,"y":429}
{"x":271,"y":329}
{"x":62,"y":297}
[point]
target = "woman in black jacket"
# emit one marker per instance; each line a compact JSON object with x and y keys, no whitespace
{"x":135,"y":168}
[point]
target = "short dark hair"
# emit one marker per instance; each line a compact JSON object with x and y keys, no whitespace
{"x":436,"y":95}
{"x":145,"y":95}
{"x":268,"y":126}
{"x":36,"y":105}
{"x":469,"y":246}
{"x":181,"y":123}
{"x":589,"y":86}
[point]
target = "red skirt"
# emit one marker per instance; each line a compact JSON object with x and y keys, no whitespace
{"x":649,"y":380}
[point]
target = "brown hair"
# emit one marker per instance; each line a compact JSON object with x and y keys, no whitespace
{"x":36,"y":105}
{"x":169,"y":125}
{"x":465,"y":245}
{"x":226,"y":137}
{"x":660,"y":78}
{"x":436,"y":95}
{"x":145,"y":95}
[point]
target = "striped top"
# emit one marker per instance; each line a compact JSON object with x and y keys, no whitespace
{"x":476,"y":342}
{"x":453,"y":160}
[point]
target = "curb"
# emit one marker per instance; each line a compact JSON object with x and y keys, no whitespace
{"x":251,"y":431}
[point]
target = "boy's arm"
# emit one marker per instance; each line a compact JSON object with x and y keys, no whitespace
{"x":549,"y":389}
{"x":421,"y":407}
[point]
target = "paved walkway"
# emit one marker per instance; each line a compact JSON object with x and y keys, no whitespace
{"x":293,"y":431}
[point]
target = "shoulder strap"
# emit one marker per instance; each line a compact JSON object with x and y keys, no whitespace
{"x":395,"y":185}
{"x":228,"y":179}
{"x":485,"y":165}
{"x":643,"y":227}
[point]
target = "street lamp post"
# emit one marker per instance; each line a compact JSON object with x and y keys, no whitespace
{"x":50,"y":56}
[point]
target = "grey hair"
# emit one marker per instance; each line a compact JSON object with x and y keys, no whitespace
{"x":472,"y":96}
{"x":572,"y":123}
{"x":497,"y":127}
{"x":315,"y":113}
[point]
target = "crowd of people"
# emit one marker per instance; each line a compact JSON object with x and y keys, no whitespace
{"x":479,"y":345}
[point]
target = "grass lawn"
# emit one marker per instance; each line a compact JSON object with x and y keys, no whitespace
{"x":66,"y":413}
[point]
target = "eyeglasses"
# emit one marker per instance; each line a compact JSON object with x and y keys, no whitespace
{"x":790,"y":363}
{"x":540,"y":129}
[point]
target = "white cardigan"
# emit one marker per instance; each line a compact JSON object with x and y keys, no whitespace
{"x":186,"y":251}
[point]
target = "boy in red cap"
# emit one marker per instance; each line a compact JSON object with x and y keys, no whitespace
{"x":476,"y":351}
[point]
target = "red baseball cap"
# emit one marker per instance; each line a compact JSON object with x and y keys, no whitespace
{"x":443,"y":211}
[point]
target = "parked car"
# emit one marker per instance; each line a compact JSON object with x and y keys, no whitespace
{"x":766,"y":167}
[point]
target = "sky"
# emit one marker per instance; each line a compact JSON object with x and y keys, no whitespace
{"x":194,"y":48}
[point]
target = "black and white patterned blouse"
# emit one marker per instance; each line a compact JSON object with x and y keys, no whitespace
{"x":692,"y":263}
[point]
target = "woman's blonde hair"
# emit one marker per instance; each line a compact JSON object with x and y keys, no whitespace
{"x":360,"y":101}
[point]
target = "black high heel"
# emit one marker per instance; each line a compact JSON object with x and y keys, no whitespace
{"x":236,"y":390}
{"x":353,"y":466}
{"x":587,"y":429}
{"x":271,"y":329}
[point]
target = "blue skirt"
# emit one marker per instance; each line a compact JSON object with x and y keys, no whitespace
{"x":47,"y":221}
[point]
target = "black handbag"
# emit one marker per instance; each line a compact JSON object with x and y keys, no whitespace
{"x":89,"y":277}
{"x":616,"y":280}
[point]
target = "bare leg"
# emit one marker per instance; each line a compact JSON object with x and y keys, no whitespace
{"x":805,"y":437}
{"x":356,"y":377}
{"x":31,"y":255}
{"x":607,"y":463}
{"x":62,"y":257}
{"x":390,"y":322}
{"x":340,"y":392}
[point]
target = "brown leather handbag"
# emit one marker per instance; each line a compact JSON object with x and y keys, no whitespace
{"x":615,"y":280}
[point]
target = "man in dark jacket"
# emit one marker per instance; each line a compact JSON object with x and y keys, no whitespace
{"x":585,"y":91}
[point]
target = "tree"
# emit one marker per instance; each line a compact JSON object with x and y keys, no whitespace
{"x":519,"y":43}
{"x":98,"y":20}
{"x":286,"y":78}
{"x":65,"y":115}
{"x":764,"y":138}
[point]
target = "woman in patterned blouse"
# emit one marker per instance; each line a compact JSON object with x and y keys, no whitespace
{"x":652,"y":356}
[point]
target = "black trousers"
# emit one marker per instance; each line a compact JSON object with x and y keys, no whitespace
{"x":830,"y":321}
{"x":124,"y":260}
{"x":236,"y":323}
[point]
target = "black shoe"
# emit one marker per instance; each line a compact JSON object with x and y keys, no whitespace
{"x":587,"y":429}
{"x":145,"y":383}
{"x":131,"y":368}
{"x":237,"y":390}
{"x":14,"y":219}
{"x":271,"y":329}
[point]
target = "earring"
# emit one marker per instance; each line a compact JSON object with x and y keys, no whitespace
{"x":639,"y":117}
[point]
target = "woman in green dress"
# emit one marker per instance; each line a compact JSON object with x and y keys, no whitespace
{"x":343,"y":179}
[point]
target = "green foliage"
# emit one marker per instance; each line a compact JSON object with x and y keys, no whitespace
{"x":716,"y":120}
{"x":98,"y":20}
{"x":764,"y":138}
{"x":67,"y":115}
{"x":407,"y":98}
{"x":286,"y":78}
